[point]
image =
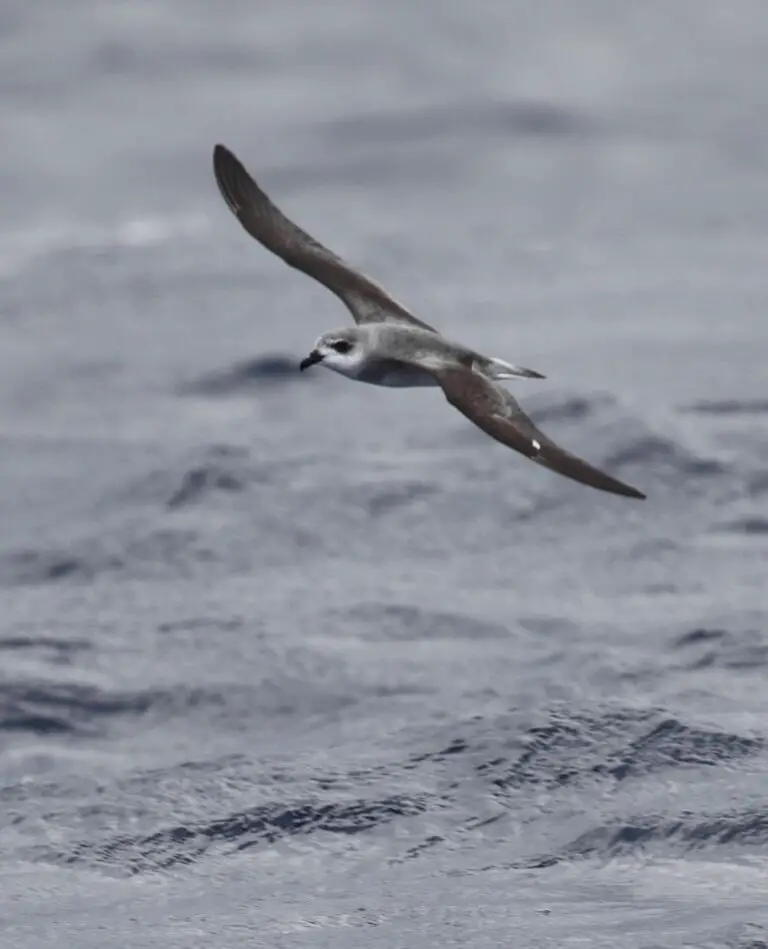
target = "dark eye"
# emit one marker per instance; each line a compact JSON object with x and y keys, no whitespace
{"x":341,"y":346}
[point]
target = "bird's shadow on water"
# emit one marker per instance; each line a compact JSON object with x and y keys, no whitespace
{"x":249,"y":376}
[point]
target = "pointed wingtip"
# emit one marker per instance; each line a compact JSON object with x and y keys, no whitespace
{"x":629,"y":492}
{"x":220,"y":153}
{"x":500,"y":369}
{"x":231,"y":178}
{"x":614,"y":486}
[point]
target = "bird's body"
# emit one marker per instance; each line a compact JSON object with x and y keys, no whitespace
{"x":395,"y":356}
{"x":390,"y":347}
{"x":380,"y":371}
{"x":384,"y":354}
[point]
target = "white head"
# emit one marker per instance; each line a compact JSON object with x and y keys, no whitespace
{"x":340,"y":350}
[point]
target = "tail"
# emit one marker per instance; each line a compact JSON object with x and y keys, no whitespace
{"x":499,"y":369}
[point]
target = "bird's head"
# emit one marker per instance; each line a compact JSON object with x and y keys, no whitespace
{"x":340,"y":350}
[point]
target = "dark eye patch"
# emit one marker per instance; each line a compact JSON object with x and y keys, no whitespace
{"x":341,"y":346}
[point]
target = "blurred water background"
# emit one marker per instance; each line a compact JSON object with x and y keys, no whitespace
{"x":291,"y":662}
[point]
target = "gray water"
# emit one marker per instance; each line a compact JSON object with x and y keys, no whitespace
{"x":292,"y":662}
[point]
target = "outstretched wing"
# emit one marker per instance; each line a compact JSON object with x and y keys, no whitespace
{"x":366,"y":300}
{"x":497,"y":413}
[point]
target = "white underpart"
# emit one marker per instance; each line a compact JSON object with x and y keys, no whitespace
{"x":433,"y":363}
{"x":501,"y":369}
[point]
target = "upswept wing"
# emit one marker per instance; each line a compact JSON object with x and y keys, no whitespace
{"x":497,"y":412}
{"x":365,"y":299}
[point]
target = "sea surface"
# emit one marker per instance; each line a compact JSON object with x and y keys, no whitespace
{"x":290,"y":662}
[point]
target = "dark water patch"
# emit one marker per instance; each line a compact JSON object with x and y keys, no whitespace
{"x":431,"y":123}
{"x":257,"y":827}
{"x":396,"y":622}
{"x":42,"y":708}
{"x":676,"y":836}
{"x":50,"y":708}
{"x":561,"y":748}
{"x":217,"y":470}
{"x":59,"y":651}
{"x":567,"y":749}
{"x":570,"y":409}
{"x":36,"y":567}
{"x":662,"y":454}
{"x":698,"y":636}
{"x":745,"y":650}
{"x":671,"y":743}
{"x":728,"y":407}
{"x":245,"y":377}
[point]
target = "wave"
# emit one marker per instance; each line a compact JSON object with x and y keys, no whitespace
{"x":712,"y":648}
{"x":45,"y":708}
{"x":672,"y":836}
{"x":429,"y":794}
{"x":258,"y":826}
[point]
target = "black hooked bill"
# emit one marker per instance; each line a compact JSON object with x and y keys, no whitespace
{"x":312,"y":358}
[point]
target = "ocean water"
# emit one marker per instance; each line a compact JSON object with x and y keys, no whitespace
{"x":290,"y":662}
